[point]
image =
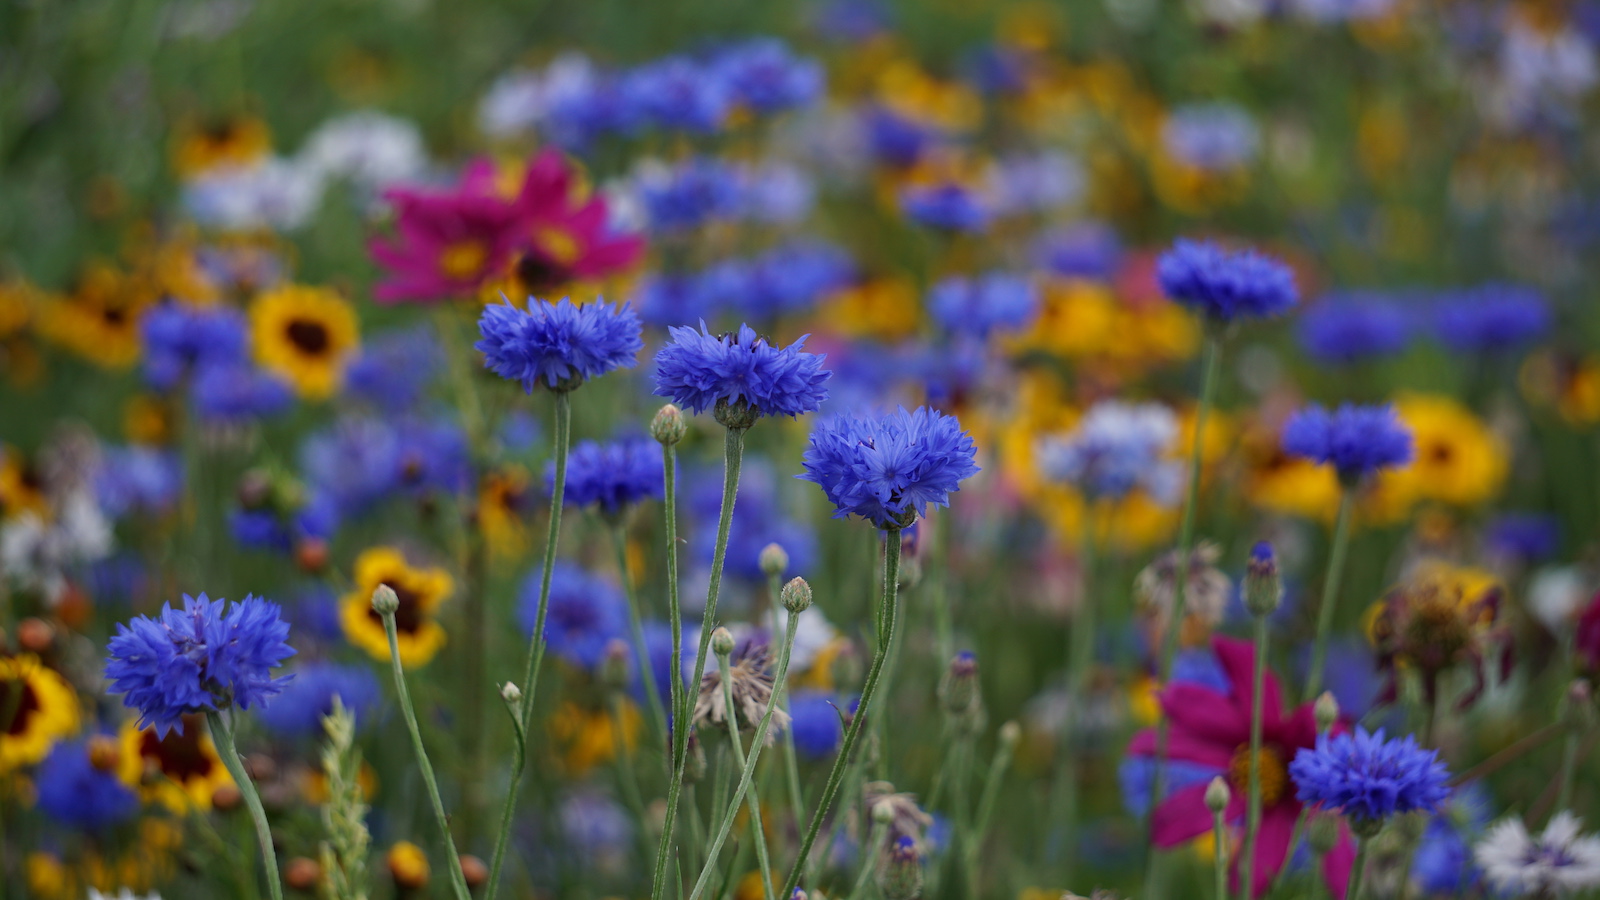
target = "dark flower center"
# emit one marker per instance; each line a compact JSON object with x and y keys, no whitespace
{"x":308,"y":336}
{"x":408,"y":618}
{"x":1274,"y":773}
{"x":114,"y":315}
{"x":538,"y":272}
{"x":1441,"y":453}
{"x":219,"y":132}
{"x":17,"y":705}
{"x":178,"y":756}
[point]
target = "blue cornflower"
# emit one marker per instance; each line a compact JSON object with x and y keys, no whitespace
{"x":1226,"y":285}
{"x":677,"y":93}
{"x":814,"y":719}
{"x":1136,"y":775}
{"x":208,"y":656}
{"x":138,"y":479}
{"x":1369,"y":778}
{"x":946,"y":207}
{"x":1116,"y":448}
{"x":691,"y":195}
{"x":740,"y":374}
{"x":394,"y":370}
{"x":672,"y":299}
{"x":1355,"y":440}
{"x":586,"y":613}
{"x":1087,"y":250}
{"x":658,"y":649}
{"x":181,"y":341}
{"x":1347,"y":328}
{"x":894,"y":140}
{"x":74,"y":791}
{"x":611,"y":476}
{"x":355,"y":462}
{"x":268,"y":528}
{"x":1492,"y":317}
{"x":1211,"y":136}
{"x":888,"y":470}
{"x":1527,"y":537}
{"x":432,"y":455}
{"x":791,"y":278}
{"x":758,"y":520}
{"x":981,"y":306}
{"x":238,"y":394}
{"x":766,"y":77}
{"x":558,"y":345}
{"x":298,"y":711}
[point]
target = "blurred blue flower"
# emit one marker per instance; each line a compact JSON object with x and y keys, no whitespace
{"x":238,"y":394}
{"x":394,"y":369}
{"x":432,"y":455}
{"x":1089,"y":250}
{"x":673,"y":299}
{"x":207,"y":656}
{"x":699,"y":371}
{"x":894,"y":140}
{"x":519,"y":431}
{"x":997,"y":301}
{"x":612,"y":476}
{"x":1492,"y":317}
{"x":134,"y":478}
{"x":946,"y":207}
{"x":298,"y":710}
{"x":1211,"y":136}
{"x":1226,"y":285}
{"x":1368,"y":777}
{"x":676,"y":93}
{"x":1137,"y":777}
{"x":70,"y":789}
{"x":888,"y":470}
{"x":694,"y":193}
{"x":1444,"y":864}
{"x":557,"y":345}
{"x":1355,"y":440}
{"x":1525,"y":537}
{"x":585,"y":613}
{"x":354,"y":462}
{"x":766,"y":77}
{"x":1117,"y":448}
{"x":1347,"y":328}
{"x":814,"y":720}
{"x":597,"y":828}
{"x":182,"y":341}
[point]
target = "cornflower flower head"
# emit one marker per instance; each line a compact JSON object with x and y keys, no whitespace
{"x":299,"y":710}
{"x":678,"y":93}
{"x":766,"y":76}
{"x":558,"y":345}
{"x":1492,"y":317}
{"x":77,"y":785}
{"x":946,"y":207}
{"x":181,"y":341}
{"x":1558,"y":862}
{"x":888,"y":470}
{"x":206,"y":656}
{"x":1115,"y":449}
{"x":981,"y":306}
{"x":696,"y":192}
{"x":585,"y":613}
{"x":1211,"y":137}
{"x":740,"y":375}
{"x":612,"y":476}
{"x":1368,"y":777}
{"x":1355,"y":440}
{"x":1349,"y":328}
{"x":1225,"y":285}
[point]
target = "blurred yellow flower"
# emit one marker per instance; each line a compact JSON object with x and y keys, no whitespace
{"x":590,"y":737}
{"x":1567,"y":382}
{"x":180,"y":771}
{"x":884,"y":309}
{"x":141,"y":865}
{"x":1084,"y":320}
{"x":407,"y":865}
{"x":503,"y":499}
{"x":21,"y":485}
{"x":418,"y":635}
{"x":99,"y":320}
{"x":220,"y":142}
{"x":41,"y":707}
{"x":305,"y":334}
{"x":908,"y":90}
{"x":1457,"y":459}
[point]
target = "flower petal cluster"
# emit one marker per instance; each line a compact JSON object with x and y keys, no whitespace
{"x":1349,"y":328}
{"x":980,"y":306}
{"x":612,"y":476}
{"x":558,"y":345}
{"x":888,"y":470}
{"x":699,"y":370}
{"x":585,"y":614}
{"x":1355,"y":440}
{"x":207,"y":656}
{"x":72,"y":790}
{"x":1369,"y":777}
{"x":1226,"y":285}
{"x":1116,"y":448}
{"x":1558,"y":862}
{"x":298,"y":711}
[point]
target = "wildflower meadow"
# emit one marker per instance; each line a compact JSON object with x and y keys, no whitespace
{"x":808,"y":450}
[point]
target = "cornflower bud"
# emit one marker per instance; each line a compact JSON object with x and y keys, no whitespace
{"x":1263,"y":587}
{"x":669,"y":426}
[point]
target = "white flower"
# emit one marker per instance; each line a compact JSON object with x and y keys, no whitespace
{"x":37,"y":554}
{"x":279,"y":194}
{"x":369,"y":148}
{"x":523,"y":100}
{"x":124,"y":894}
{"x":1556,"y":595}
{"x":1035,"y":182}
{"x":1116,"y":448}
{"x":1558,"y":862}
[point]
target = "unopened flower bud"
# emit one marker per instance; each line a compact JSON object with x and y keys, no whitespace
{"x":774,"y":560}
{"x":883,"y":813}
{"x":901,"y":878}
{"x":408,"y":865}
{"x":669,"y":426}
{"x":385,"y":601}
{"x":796,"y":595}
{"x":255,"y":489}
{"x":1322,"y":832}
{"x":302,"y":874}
{"x":1263,"y":587}
{"x":311,"y":555}
{"x":614,"y":671}
{"x":1577,"y":707}
{"x":721,"y":642}
{"x":226,"y":798}
{"x":1326,"y":712}
{"x":474,"y":872}
{"x":735,"y":415}
{"x":104,"y":754}
{"x":35,"y":635}
{"x":799,"y":894}
{"x":1010,"y":733}
{"x":510,"y":693}
{"x":960,"y":689}
{"x":1218,"y":795}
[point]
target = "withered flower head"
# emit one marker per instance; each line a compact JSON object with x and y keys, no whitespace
{"x":1205,"y":593}
{"x":1439,"y":618}
{"x":752,"y":693}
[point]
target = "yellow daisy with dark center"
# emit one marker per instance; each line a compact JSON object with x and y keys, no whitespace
{"x":306,"y":335}
{"x":420,"y":591}
{"x":99,"y":320}
{"x":37,"y":708}
{"x":181,"y":771}
{"x":220,"y":142}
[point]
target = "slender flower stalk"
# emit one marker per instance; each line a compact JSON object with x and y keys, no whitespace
{"x":668,"y":428}
{"x":869,"y":860}
{"x":1258,"y":697}
{"x":757,"y":832}
{"x":385,"y":602}
{"x":747,"y":771}
{"x":888,"y":610}
{"x":1010,"y":733}
{"x":791,"y":759}
{"x":1217,"y":798}
{"x":536,"y":647}
{"x":1330,"y":593}
{"x":619,"y":542}
{"x":222,"y":736}
{"x":1080,"y":656}
{"x":1358,"y":871}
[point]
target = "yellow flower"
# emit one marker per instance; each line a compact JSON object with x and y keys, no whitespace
{"x":180,"y":771}
{"x":37,"y":708}
{"x":408,"y":865}
{"x":884,"y":309}
{"x":1195,"y":191}
{"x":1457,"y":459}
{"x":911,"y":92}
{"x":21,"y":486}
{"x":147,"y":419}
{"x":417,"y":634}
{"x":305,"y":334}
{"x":1136,"y":522}
{"x":99,"y":321}
{"x":1570,"y":383}
{"x":503,"y":499}
{"x":1277,"y":482}
{"x":227,"y":141}
{"x":1083,"y":320}
{"x":141,"y":865}
{"x":589,"y":737}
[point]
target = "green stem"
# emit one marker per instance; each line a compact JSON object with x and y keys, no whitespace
{"x":457,"y":880}
{"x":678,"y":697}
{"x":1219,"y":835}
{"x":748,"y":767}
{"x":986,"y":804}
{"x":1253,"y":822}
{"x":627,"y":776}
{"x":891,"y":588}
{"x":536,"y":643}
{"x":1080,"y":656}
{"x":222,"y":736}
{"x":791,"y":760}
{"x":758,"y":835}
{"x":1210,"y":363}
{"x":943,"y":616}
{"x":732,"y":459}
{"x":1358,"y":870}
{"x":1569,"y":767}
{"x":658,"y":714}
{"x":869,"y":860}
{"x":1330,"y":594}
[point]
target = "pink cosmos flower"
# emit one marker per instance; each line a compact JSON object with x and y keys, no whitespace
{"x":566,"y":235}
{"x":1213,"y":729}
